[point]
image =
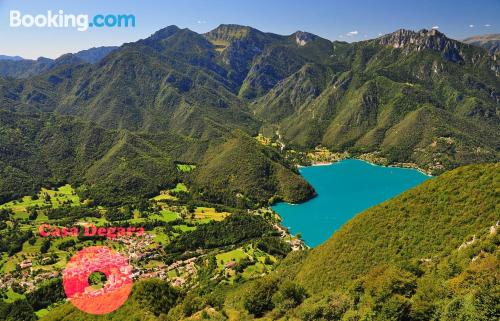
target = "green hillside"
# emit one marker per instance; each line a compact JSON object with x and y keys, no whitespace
{"x":429,"y":254}
{"x":431,"y":220}
{"x":403,"y":94}
{"x":120,"y":166}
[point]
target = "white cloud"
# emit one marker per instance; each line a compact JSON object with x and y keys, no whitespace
{"x":471,"y":26}
{"x":435,"y":27}
{"x":341,"y":36}
{"x":200,"y":22}
{"x":380,"y":34}
{"x":352,"y":33}
{"x":487,"y":25}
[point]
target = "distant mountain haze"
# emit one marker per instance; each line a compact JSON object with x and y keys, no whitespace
{"x":14,"y":58}
{"x":490,"y":42}
{"x":18,"y":67}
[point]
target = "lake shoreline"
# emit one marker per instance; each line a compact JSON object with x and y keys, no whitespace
{"x":395,"y":165}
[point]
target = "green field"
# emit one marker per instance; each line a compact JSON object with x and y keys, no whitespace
{"x":207,"y":214}
{"x":184,"y":228}
{"x":165,"y":216}
{"x":64,"y":195}
{"x":234,"y":255}
{"x":185,"y":168}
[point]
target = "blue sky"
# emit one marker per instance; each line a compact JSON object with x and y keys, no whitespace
{"x":335,"y":20}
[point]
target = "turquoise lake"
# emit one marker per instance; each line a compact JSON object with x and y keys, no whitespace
{"x":344,"y":189}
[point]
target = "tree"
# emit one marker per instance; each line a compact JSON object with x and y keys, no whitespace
{"x":290,"y":294}
{"x":191,"y":304}
{"x":45,"y":246}
{"x":50,"y":292}
{"x":258,"y":299}
{"x":18,"y":311}
{"x":157,"y":296}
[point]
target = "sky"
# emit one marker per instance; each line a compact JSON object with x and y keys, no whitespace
{"x":348,"y":20}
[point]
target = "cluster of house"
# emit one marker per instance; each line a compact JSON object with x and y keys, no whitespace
{"x":26,"y":280}
{"x":116,"y":268}
{"x":296,"y":243}
{"x":186,"y":268}
{"x":137,"y":249}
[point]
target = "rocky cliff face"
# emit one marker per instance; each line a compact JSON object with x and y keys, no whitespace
{"x":303,"y":38}
{"x":424,"y":39}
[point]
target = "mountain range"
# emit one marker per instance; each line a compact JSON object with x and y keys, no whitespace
{"x":17,"y":67}
{"x":490,"y":42}
{"x":14,"y":58}
{"x":118,"y":120}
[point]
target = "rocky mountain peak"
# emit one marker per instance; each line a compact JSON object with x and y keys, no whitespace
{"x":302,"y":38}
{"x":409,"y":40}
{"x":230,"y":32}
{"x":164,"y":33}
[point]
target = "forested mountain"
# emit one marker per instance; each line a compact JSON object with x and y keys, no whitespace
{"x":412,"y":96}
{"x":416,"y":96}
{"x":429,"y":254}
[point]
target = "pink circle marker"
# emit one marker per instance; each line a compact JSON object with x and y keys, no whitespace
{"x":115,"y":291}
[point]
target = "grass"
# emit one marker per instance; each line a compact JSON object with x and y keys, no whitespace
{"x":9,"y":266}
{"x":161,"y":238}
{"x":166,"y":195}
{"x":13,"y":296}
{"x":254,"y":270}
{"x":185,"y":168}
{"x":32,"y":249}
{"x":41,"y":313}
{"x":165,"y":216}
{"x":63,"y":194}
{"x":184,"y":228}
{"x":234,"y":255}
{"x":180,"y":187}
{"x":207,"y":214}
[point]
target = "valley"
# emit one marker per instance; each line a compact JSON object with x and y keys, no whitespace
{"x":162,"y":251}
{"x":199,"y":139}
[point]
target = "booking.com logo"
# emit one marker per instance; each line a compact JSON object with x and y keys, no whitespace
{"x":82,"y":22}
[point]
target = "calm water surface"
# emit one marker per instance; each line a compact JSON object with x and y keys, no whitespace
{"x":344,"y":189}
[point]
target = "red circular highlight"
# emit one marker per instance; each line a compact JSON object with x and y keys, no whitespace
{"x":115,"y":291}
